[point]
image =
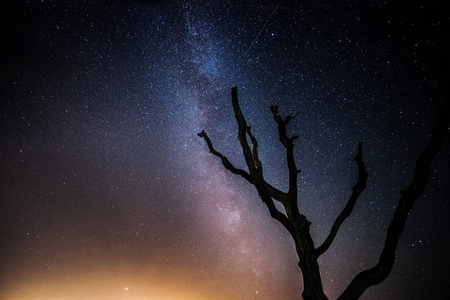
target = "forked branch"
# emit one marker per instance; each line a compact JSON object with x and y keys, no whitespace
{"x":298,"y":225}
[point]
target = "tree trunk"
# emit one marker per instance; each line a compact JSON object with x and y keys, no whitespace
{"x":312,"y":282}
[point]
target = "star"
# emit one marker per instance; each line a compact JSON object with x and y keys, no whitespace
{"x":100,"y":116}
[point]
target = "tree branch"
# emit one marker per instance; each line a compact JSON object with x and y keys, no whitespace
{"x":251,"y":157}
{"x":408,"y":197}
{"x":274,"y":212}
{"x":357,"y":189}
{"x":242,"y":134}
{"x":256,"y":161}
{"x":274,"y":192}
{"x":265,"y":190}
{"x":264,"y":194}
{"x":289,"y":145}
{"x":226,"y":163}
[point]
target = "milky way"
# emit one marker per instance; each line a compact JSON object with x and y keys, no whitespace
{"x":107,"y":192}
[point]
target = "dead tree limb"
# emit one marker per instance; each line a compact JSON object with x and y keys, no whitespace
{"x":226,"y":163}
{"x":382,"y":269}
{"x":357,"y":189}
{"x":296,"y":223}
{"x":299,"y":226}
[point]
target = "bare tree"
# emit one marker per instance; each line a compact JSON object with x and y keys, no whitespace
{"x":298,"y":225}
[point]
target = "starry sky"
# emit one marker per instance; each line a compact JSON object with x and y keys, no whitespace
{"x":107,"y":192}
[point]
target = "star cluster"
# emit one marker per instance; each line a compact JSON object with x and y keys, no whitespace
{"x":107,"y":192}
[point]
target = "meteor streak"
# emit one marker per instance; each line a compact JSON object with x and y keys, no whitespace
{"x":262,"y":28}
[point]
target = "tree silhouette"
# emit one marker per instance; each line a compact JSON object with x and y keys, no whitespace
{"x":298,"y":225}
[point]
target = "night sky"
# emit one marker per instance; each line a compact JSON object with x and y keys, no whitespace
{"x":107,"y":192}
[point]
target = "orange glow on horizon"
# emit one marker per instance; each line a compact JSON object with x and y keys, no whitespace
{"x":91,"y":289}
{"x":117,"y":284}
